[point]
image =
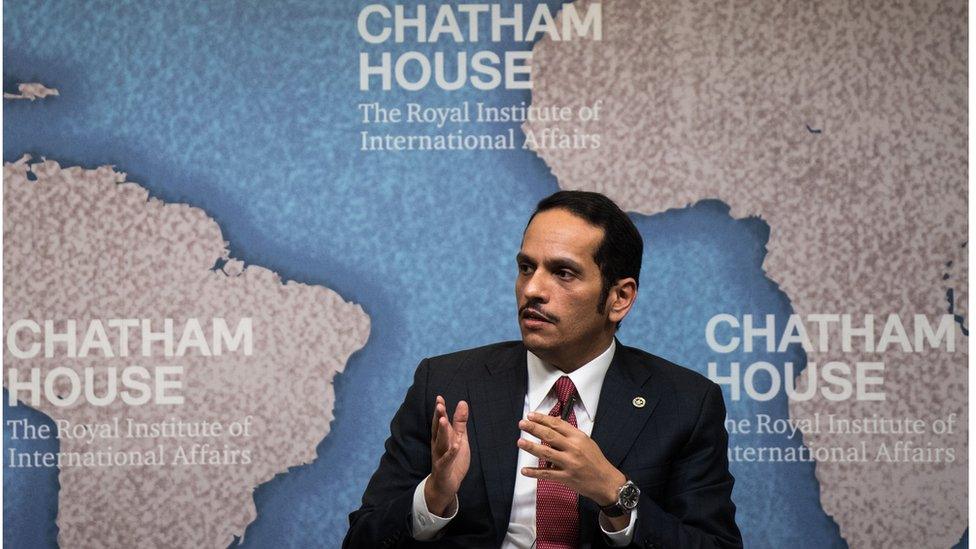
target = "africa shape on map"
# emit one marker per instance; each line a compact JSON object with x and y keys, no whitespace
{"x":852,"y":150}
{"x":84,"y":245}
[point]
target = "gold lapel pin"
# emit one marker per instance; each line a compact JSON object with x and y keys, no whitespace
{"x":639,"y":402}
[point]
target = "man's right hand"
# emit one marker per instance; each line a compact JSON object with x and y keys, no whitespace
{"x":450,"y":456}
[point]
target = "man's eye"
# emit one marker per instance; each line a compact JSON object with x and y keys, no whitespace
{"x":524,"y":268}
{"x":564,"y":274}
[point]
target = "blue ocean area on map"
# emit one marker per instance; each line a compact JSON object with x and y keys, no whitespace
{"x":248,"y":111}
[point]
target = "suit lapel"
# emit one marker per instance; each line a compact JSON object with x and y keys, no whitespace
{"x":618,"y":418}
{"x":621,"y":414}
{"x":497,"y":402}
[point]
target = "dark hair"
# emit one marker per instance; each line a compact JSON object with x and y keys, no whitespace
{"x":619,"y":254}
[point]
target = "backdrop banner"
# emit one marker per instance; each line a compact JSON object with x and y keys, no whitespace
{"x":232,"y":229}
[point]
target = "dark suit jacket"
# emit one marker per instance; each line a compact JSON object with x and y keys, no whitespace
{"x":674,"y":448}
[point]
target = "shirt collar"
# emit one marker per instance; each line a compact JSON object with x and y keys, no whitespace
{"x":588,"y":379}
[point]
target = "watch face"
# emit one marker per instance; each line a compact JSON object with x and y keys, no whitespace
{"x":629,"y":496}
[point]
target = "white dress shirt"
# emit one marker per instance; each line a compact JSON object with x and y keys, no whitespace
{"x":540,"y":398}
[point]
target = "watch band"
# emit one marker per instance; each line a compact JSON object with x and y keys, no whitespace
{"x":620,"y":507}
{"x":613,"y":510}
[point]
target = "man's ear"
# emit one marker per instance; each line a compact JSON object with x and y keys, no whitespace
{"x":621,"y":298}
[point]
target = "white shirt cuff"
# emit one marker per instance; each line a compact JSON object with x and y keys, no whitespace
{"x":427,"y":525}
{"x":619,"y":538}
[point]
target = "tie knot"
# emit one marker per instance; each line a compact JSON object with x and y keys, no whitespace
{"x":564,"y":389}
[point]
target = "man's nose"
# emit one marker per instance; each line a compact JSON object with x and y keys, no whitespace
{"x":535,"y":288}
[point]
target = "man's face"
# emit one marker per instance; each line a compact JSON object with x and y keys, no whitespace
{"x":558,"y":289}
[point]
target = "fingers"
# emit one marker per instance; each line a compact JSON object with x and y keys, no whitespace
{"x":448,"y":455}
{"x":562,"y":427}
{"x":445,"y":434}
{"x":542,"y":451}
{"x":543,"y":433}
{"x":449,"y":435}
{"x":439,"y":410}
{"x":461,"y":418}
{"x":546,"y":473}
{"x":443,"y":431}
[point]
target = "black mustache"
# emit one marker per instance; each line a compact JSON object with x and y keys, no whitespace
{"x":535,"y":309}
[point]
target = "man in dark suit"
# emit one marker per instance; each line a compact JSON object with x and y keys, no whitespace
{"x":566,"y":438}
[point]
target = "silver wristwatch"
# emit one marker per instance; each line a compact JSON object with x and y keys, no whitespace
{"x":627,"y":497}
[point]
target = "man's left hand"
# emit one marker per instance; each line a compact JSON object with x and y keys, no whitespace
{"x":576,"y":460}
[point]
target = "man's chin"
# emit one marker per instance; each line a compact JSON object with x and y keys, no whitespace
{"x":535,"y":342}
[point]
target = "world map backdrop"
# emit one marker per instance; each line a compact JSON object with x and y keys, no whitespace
{"x":778,"y":159}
